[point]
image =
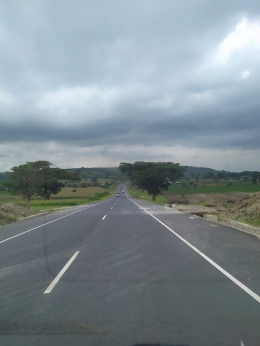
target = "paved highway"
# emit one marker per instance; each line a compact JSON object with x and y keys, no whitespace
{"x":124,"y":271}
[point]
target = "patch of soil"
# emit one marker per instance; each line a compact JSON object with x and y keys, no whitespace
{"x":233,"y":205}
{"x":194,"y":209}
{"x":248,"y":207}
{"x":11,"y":212}
{"x":212,"y":200}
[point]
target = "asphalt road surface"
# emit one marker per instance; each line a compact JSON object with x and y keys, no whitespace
{"x":124,"y":271}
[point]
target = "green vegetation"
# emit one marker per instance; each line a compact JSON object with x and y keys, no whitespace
{"x":137,"y":193}
{"x":37,"y":185}
{"x":228,"y":205}
{"x":251,"y":221}
{"x":204,"y":187}
{"x":153,"y":177}
{"x":63,"y":199}
{"x":36,"y":178}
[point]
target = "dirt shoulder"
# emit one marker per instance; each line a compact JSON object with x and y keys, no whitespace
{"x":240,"y":206}
{"x":11,"y":213}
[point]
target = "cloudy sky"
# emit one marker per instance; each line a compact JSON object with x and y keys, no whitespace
{"x":93,"y":83}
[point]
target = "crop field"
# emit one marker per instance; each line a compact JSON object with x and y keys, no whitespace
{"x":67,"y":192}
{"x":64,"y":198}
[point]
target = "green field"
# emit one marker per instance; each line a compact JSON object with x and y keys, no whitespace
{"x":202,"y":188}
{"x":63,"y":199}
{"x":161,"y":199}
{"x":221,"y":187}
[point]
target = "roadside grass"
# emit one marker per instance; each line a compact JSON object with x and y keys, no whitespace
{"x":160,"y":199}
{"x":65,"y":198}
{"x":204,"y":188}
{"x":251,"y":221}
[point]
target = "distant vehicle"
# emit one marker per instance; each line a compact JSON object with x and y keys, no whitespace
{"x":117,"y":194}
{"x":123,"y":191}
{"x":177,"y":182}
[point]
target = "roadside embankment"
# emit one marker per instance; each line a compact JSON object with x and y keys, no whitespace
{"x":234,"y":224}
{"x":11,"y":213}
{"x":242,"y":214}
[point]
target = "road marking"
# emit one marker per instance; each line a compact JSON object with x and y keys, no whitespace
{"x":223,"y":271}
{"x":111,"y":207}
{"x":47,"y":223}
{"x":242,"y":344}
{"x":104,"y":217}
{"x":56,"y":280}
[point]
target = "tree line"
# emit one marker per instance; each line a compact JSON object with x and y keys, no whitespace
{"x":254,"y":176}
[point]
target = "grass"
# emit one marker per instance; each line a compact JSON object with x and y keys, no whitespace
{"x":64,"y":198}
{"x":253,"y":222}
{"x":228,"y":205}
{"x":161,"y":199}
{"x":203,"y":188}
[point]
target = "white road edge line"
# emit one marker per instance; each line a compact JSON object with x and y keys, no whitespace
{"x":223,"y":271}
{"x":47,"y":223}
{"x":103,"y":217}
{"x":56,"y":280}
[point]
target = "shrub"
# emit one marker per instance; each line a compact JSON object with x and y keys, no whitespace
{"x":84,"y":185}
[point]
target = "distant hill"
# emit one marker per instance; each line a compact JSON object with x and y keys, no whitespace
{"x":190,"y":170}
{"x":100,"y":172}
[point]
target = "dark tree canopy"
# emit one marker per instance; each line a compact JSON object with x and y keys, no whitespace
{"x":51,"y":184}
{"x":255,"y":176}
{"x":37,"y":178}
{"x":152,"y":176}
{"x":26,"y":179}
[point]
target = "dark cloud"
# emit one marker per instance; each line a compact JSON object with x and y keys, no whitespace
{"x":151,"y":73}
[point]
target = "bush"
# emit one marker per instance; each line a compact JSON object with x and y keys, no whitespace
{"x":3,"y":188}
{"x":74,"y":190}
{"x":84,"y":185}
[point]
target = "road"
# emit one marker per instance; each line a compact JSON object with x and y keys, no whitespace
{"x":124,"y":271}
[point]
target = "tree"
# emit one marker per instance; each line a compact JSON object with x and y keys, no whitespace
{"x":26,"y":179}
{"x":185,"y":184}
{"x":51,"y":184}
{"x":37,"y":178}
{"x":154,"y":177}
{"x":255,"y":177}
{"x":106,"y":185}
{"x":94,"y":179}
{"x":208,"y":175}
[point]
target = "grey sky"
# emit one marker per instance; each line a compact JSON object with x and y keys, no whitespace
{"x":93,"y":83}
